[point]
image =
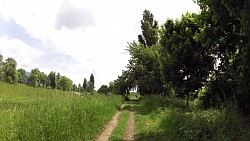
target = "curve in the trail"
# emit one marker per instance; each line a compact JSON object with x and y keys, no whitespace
{"x":105,"y":135}
{"x":129,"y":136}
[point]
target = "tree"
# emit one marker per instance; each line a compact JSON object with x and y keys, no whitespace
{"x":186,"y":63}
{"x":92,"y":79}
{"x":21,"y":75}
{"x":1,"y":67}
{"x":112,"y":88}
{"x":58,"y":79}
{"x":52,"y":79}
{"x":44,"y":79}
{"x":103,"y":89}
{"x":79,"y":87}
{"x":144,"y":69}
{"x":35,"y":78}
{"x":226,"y":32}
{"x":65,"y":83}
{"x":74,"y":88}
{"x":90,"y":86}
{"x":84,"y":85}
{"x":149,"y":28}
{"x":9,"y":70}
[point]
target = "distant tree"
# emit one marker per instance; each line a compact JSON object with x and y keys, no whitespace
{"x":84,"y":86}
{"x":79,"y":87}
{"x":1,"y":67}
{"x":65,"y":83}
{"x":90,"y":86}
{"x":44,"y":79}
{"x":149,"y":28}
{"x":112,"y":87}
{"x":52,"y":79}
{"x":9,"y":70}
{"x":92,"y":79}
{"x":58,"y":79}
{"x":21,"y":75}
{"x":103,"y":89}
{"x":35,"y":78}
{"x":74,"y":88}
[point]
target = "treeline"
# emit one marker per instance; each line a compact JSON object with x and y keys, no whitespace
{"x":201,"y":56}
{"x":36,"y":78}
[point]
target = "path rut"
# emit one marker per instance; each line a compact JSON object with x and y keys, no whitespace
{"x":129,"y":136}
{"x":105,"y":135}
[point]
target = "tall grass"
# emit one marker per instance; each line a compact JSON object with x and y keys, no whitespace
{"x":28,"y":113}
{"x":169,"y":119}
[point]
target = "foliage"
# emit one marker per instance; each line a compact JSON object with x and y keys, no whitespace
{"x":92,"y":79}
{"x":186,"y":64}
{"x":21,"y":75}
{"x":226,"y":33}
{"x":52,"y":79}
{"x":84,"y":85}
{"x":34,"y":78}
{"x":65,"y":83}
{"x":90,"y":86}
{"x":104,"y":89}
{"x":1,"y":67}
{"x":149,"y":28}
{"x":161,"y":121}
{"x":9,"y":70}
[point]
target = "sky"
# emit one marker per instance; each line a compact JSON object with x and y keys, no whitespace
{"x":78,"y":37}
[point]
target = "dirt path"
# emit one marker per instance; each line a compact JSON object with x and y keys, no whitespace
{"x":129,"y":136}
{"x":105,"y":135}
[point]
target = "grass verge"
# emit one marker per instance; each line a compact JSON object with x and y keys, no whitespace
{"x":160,"y":118}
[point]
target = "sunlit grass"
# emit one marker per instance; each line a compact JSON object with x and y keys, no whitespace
{"x":159,"y":119}
{"x":28,"y":113}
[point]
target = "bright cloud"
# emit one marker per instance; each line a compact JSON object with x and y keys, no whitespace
{"x":72,"y":17}
{"x":77,"y":38}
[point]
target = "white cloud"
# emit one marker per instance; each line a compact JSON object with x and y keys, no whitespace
{"x":72,"y":17}
{"x":93,"y":35}
{"x":24,"y":54}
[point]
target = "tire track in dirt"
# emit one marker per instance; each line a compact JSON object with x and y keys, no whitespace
{"x":129,"y":136}
{"x":105,"y":135}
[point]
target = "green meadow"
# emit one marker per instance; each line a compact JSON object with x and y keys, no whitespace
{"x":28,"y":113}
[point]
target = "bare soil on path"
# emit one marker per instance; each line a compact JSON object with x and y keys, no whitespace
{"x":129,"y":136}
{"x":105,"y":135}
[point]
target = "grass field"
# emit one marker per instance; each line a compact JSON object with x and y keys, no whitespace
{"x":28,"y":113}
{"x":159,"y":118}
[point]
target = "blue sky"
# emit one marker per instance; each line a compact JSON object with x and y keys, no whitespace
{"x":77,"y":38}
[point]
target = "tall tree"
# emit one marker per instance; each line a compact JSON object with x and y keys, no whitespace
{"x":35,"y":78}
{"x":21,"y":75}
{"x":90,"y":86}
{"x":84,"y":85}
{"x":79,"y":87}
{"x":44,"y":79}
{"x":149,"y":28}
{"x":52,"y":79}
{"x":1,"y":67}
{"x":92,"y":79}
{"x":9,"y":70}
